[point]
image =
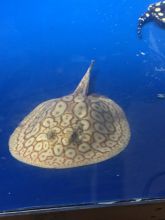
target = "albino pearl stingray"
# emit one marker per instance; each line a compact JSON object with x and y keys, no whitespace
{"x":71,"y":131}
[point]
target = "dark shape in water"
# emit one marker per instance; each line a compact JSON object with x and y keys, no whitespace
{"x":155,"y":12}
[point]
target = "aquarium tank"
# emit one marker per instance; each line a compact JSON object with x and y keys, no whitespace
{"x":82,"y":108}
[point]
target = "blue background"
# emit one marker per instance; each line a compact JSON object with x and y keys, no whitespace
{"x":45,"y":48}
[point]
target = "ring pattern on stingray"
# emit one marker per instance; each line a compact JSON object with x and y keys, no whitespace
{"x":71,"y":131}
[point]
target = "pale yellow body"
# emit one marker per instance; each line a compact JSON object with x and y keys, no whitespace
{"x":71,"y":131}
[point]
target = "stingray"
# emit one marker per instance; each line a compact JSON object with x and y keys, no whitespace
{"x":155,"y":12}
{"x":71,"y":131}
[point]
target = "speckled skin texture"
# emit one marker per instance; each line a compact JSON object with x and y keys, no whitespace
{"x":155,"y":12}
{"x":71,"y":131}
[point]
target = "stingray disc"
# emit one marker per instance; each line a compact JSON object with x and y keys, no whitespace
{"x":71,"y":131}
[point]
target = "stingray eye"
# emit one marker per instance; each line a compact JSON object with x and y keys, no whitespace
{"x":51,"y":135}
{"x":76,"y":136}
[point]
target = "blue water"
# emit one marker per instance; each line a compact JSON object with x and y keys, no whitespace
{"x":45,"y":48}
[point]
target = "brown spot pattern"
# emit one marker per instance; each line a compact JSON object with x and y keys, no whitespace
{"x":70,"y":132}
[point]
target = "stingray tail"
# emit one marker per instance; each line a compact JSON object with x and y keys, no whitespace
{"x":82,"y":87}
{"x":141,"y":21}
